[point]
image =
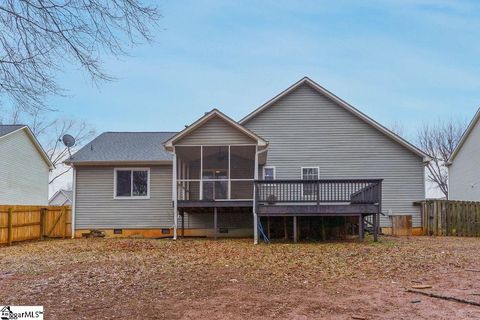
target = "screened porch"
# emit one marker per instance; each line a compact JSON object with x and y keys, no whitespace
{"x":214,"y":174}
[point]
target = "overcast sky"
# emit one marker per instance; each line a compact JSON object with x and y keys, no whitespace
{"x":397,"y":61}
{"x":405,"y":61}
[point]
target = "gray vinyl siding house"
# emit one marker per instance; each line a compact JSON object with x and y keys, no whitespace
{"x":464,"y":165}
{"x":24,"y":167}
{"x":306,"y":129}
{"x":96,"y":208}
{"x":203,"y":177}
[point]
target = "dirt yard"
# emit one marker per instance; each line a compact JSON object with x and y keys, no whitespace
{"x":233,"y":279}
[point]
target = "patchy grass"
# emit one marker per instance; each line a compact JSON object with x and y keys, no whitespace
{"x":200,"y":278}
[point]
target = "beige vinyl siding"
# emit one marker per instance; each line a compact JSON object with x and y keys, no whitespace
{"x":307,"y":129}
{"x":95,"y":206}
{"x":215,"y":131}
{"x":464,"y":173}
{"x":23,"y":171}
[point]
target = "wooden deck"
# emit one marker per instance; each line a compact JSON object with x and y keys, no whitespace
{"x":214,"y":204}
{"x":307,"y":198}
{"x":316,"y":210}
{"x":301,"y":198}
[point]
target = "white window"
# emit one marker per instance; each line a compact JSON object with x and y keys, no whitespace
{"x":131,"y":183}
{"x":309,"y":173}
{"x":268,"y":173}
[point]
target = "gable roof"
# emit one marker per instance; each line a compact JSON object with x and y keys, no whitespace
{"x":209,"y":115}
{"x":67,"y":193}
{"x":465,"y":136}
{"x":8,"y":129}
{"x":124,"y":147}
{"x":342,"y":104}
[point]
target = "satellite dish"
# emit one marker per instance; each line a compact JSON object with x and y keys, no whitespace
{"x":68,"y":140}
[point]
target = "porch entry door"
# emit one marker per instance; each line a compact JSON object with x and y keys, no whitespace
{"x":217,"y":188}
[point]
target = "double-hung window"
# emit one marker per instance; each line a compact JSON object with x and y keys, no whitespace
{"x":309,"y":173}
{"x":132,"y":183}
{"x":268,"y":173}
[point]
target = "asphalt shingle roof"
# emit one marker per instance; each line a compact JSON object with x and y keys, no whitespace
{"x":125,"y":146}
{"x":7,"y":128}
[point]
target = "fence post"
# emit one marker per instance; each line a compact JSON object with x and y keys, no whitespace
{"x":10,"y":226}
{"x":42,"y":223}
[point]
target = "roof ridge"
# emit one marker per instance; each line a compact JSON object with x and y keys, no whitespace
{"x":140,"y":132}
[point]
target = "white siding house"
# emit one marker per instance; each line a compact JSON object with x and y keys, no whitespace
{"x":464,"y":165}
{"x":61,"y":198}
{"x":24,"y":167}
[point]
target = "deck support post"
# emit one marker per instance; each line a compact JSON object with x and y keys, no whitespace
{"x":175,"y":196}
{"x":360,"y":227}
{"x":285,"y":232}
{"x":268,"y":227}
{"x":183,"y":224}
{"x":215,"y":221}
{"x":295,"y":229}
{"x":255,"y":228}
{"x":376,"y":222}
{"x":323,"y":229}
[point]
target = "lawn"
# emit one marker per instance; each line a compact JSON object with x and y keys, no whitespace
{"x":207,"y":279}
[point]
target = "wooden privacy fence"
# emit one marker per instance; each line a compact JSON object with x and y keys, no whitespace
{"x":451,"y":218}
{"x":22,"y":223}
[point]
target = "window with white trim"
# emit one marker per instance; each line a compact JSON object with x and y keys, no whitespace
{"x":309,"y":173}
{"x":268,"y":173}
{"x":132,"y":183}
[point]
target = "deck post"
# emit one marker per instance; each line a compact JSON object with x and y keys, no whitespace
{"x":174,"y":195}
{"x":376,"y":218}
{"x":285,"y":232}
{"x":215,"y":221}
{"x":295,"y":229}
{"x":268,"y":227}
{"x":183,"y":224}
{"x":360,"y":227}
{"x":377,"y":227}
{"x":323,"y":229}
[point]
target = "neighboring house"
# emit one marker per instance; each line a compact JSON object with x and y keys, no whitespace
{"x":464,"y":165}
{"x":61,"y":198}
{"x":24,"y":167}
{"x":304,"y":153}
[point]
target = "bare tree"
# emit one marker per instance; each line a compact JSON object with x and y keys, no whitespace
{"x":57,"y":152}
{"x":37,"y":38}
{"x":439,"y":140}
{"x":397,"y":128}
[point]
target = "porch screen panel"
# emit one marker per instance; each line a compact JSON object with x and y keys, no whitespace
{"x":188,"y":190}
{"x":215,"y":162}
{"x":242,"y":162}
{"x":242,"y":190}
{"x":188,"y":162}
{"x":215,"y":173}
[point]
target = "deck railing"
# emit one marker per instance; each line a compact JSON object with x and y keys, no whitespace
{"x":357,"y":191}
